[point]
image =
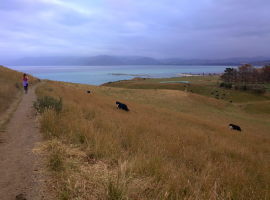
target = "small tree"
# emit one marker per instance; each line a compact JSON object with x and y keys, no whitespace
{"x":229,"y":75}
{"x":245,"y":73}
{"x":266,"y":73}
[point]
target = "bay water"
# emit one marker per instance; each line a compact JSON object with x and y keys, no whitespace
{"x":97,"y":75}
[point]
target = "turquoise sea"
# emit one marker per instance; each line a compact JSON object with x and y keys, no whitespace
{"x":96,"y":75}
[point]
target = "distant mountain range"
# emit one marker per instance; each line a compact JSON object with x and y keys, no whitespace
{"x":129,"y":60}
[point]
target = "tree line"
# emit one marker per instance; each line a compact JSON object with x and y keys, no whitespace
{"x":246,"y":77}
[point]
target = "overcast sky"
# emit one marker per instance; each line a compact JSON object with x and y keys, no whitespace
{"x":157,"y":28}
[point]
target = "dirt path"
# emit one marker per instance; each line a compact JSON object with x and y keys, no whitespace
{"x":19,"y":166}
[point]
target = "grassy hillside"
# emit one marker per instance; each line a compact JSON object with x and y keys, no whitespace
{"x":10,"y":90}
{"x":171,"y":145}
{"x":10,"y":87}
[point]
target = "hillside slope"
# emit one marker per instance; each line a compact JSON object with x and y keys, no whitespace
{"x":10,"y":87}
{"x":10,"y":91}
{"x":171,"y":145}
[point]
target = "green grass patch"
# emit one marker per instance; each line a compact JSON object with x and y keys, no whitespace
{"x":203,"y":85}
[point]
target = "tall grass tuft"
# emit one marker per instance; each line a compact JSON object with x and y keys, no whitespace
{"x":115,"y":191}
{"x":56,"y":157}
{"x":48,"y":102}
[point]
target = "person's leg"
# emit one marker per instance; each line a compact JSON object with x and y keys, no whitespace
{"x":25,"y":89}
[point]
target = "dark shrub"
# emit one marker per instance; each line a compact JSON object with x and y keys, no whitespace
{"x":226,"y":85}
{"x":241,"y":87}
{"x":48,"y":102}
{"x":222,"y":84}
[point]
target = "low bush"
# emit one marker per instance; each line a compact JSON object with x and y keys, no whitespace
{"x":48,"y":102}
{"x":225,"y":85}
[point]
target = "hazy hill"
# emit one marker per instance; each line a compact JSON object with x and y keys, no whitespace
{"x":130,"y":60}
{"x":93,"y":60}
{"x":228,"y":61}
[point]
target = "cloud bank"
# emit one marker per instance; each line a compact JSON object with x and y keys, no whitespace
{"x":164,"y":28}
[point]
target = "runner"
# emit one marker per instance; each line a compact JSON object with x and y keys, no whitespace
{"x":25,"y":83}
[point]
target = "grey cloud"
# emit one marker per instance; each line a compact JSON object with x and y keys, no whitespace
{"x":164,"y":28}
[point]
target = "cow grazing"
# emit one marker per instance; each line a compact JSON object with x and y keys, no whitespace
{"x":235,"y":127}
{"x":121,"y":106}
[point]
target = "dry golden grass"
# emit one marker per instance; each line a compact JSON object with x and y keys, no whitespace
{"x":9,"y":81}
{"x":11,"y":86}
{"x":10,"y":89}
{"x":171,"y":145}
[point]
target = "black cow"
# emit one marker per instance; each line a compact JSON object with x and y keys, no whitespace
{"x":121,"y":106}
{"x":235,"y":127}
{"x":20,"y":197}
